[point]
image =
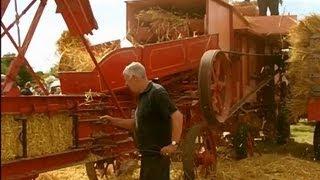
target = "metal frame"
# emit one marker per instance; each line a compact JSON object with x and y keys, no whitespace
{"x":20,"y":59}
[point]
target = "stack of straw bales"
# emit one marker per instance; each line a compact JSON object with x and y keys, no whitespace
{"x":45,"y":135}
{"x":247,"y":8}
{"x":304,"y":68}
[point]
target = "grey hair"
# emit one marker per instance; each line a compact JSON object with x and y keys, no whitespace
{"x":135,"y":69}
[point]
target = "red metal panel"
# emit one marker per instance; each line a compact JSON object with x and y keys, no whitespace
{"x":168,"y":58}
{"x":197,"y":47}
{"x":113,"y":65}
{"x":4,"y":5}
{"x":80,"y":9}
{"x":272,"y":24}
{"x":313,"y":109}
{"x":79,"y":82}
{"x":164,"y":58}
{"x":32,"y":166}
{"x":160,"y":60}
{"x":29,"y":104}
{"x":219,"y":15}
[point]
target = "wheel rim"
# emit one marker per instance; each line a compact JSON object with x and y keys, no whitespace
{"x":215,"y":86}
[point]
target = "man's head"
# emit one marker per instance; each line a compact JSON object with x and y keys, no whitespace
{"x":135,"y":77}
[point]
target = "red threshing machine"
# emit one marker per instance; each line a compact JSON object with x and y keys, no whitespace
{"x":222,"y":81}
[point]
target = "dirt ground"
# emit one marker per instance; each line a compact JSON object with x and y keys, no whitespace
{"x":291,"y":161}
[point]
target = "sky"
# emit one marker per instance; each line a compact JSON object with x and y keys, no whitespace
{"x":111,"y":18}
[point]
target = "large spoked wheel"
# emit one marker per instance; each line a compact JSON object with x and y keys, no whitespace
{"x":199,"y":152}
{"x":316,"y":141}
{"x":214,"y":84}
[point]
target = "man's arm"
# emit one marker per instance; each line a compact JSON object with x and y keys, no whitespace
{"x":120,"y":122}
{"x":177,"y":122}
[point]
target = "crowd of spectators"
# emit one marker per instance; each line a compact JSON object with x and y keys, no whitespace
{"x":29,"y":88}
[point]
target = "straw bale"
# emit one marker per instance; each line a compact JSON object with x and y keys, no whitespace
{"x":47,"y":135}
{"x":304,"y":62}
{"x":157,"y":25}
{"x":74,"y":56}
{"x":247,"y":8}
{"x":10,"y":144}
{"x":268,"y":166}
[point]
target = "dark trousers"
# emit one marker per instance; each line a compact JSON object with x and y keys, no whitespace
{"x":272,"y":4}
{"x":155,"y":168}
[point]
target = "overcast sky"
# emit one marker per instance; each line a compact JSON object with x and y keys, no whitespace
{"x":110,"y":16}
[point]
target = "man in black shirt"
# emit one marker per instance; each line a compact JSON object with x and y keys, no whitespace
{"x":157,"y":124}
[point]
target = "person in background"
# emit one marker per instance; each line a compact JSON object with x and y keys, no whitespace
{"x":157,"y":125}
{"x":3,"y":78}
{"x":58,"y":90}
{"x":263,"y":6}
{"x":38,"y":91}
{"x":26,"y":90}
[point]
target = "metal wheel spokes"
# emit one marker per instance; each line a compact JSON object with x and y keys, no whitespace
{"x":205,"y":153}
{"x":220,"y":78}
{"x":215,"y":85}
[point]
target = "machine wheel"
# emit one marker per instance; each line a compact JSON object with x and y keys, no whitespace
{"x":241,"y":141}
{"x":215,"y":86}
{"x":316,"y":141}
{"x":199,"y":151}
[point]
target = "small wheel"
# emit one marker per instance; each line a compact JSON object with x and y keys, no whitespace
{"x":199,"y":151}
{"x":215,"y":86}
{"x":316,"y":141}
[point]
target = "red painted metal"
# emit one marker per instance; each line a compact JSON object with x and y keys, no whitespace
{"x":20,"y":59}
{"x":313,"y":109}
{"x":162,"y":59}
{"x":84,"y":23}
{"x":85,"y":8}
{"x":270,"y":25}
{"x":15,"y":67}
{"x":4,"y":5}
{"x":33,"y":166}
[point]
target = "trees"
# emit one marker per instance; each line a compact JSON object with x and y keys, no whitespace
{"x":23,"y":75}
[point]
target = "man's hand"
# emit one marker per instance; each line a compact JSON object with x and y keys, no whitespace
{"x":168,"y":150}
{"x":106,"y":118}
